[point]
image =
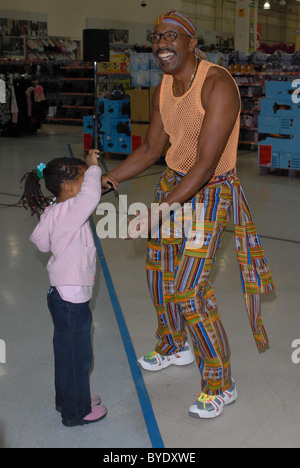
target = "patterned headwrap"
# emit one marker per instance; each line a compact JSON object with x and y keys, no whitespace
{"x":179,"y":19}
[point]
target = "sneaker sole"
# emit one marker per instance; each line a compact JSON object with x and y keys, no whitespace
{"x":206,"y":415}
{"x":164,"y":365}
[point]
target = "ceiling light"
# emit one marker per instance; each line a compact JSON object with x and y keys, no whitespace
{"x":282,"y":3}
{"x":267,"y":6}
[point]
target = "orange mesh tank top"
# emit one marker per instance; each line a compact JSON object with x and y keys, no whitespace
{"x":183,"y":117}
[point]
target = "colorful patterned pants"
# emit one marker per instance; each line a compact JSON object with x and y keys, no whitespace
{"x":178,"y":279}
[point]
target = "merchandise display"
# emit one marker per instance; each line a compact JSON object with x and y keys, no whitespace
{"x":39,"y":48}
{"x":252,"y":73}
{"x":279,"y":126}
{"x":114,"y":125}
{"x":130,"y":77}
{"x":25,"y":105}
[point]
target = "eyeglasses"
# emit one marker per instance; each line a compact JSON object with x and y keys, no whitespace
{"x":169,"y":36}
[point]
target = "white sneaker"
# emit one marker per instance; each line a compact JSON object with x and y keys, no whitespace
{"x":208,"y":407}
{"x":155,"y":362}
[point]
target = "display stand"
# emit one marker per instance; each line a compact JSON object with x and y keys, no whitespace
{"x":95,"y":125}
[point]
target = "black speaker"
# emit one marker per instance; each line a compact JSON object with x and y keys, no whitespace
{"x":96,"y":45}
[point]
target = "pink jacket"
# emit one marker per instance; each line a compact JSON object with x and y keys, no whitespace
{"x":64,"y":229}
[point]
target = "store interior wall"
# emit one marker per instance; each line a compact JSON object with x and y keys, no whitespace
{"x":68,"y":18}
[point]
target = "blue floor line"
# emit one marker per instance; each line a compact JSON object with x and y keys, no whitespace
{"x":136,"y":373}
{"x":70,"y":150}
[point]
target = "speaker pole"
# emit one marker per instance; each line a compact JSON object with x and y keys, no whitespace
{"x":96,"y":113}
{"x":96,"y":119}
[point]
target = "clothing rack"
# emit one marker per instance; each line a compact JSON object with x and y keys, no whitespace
{"x":25,"y":106}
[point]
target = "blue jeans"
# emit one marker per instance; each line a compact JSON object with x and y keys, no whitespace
{"x":72,"y":354}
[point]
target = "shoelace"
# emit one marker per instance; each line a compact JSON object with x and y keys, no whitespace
{"x":204,"y":398}
{"x":151,"y":355}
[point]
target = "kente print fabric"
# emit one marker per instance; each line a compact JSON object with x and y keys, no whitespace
{"x":178,"y":278}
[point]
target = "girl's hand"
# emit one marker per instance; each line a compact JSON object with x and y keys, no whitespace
{"x":92,"y":157}
{"x":109,"y":182}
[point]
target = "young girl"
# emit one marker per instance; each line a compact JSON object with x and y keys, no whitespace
{"x":64,"y":230}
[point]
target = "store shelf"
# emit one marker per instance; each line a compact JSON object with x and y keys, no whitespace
{"x":265,"y":73}
{"x":39,"y":48}
{"x":255,"y":129}
{"x":76,"y":107}
{"x":62,"y":119}
{"x":75,"y":67}
{"x":77,"y":94}
{"x":76,"y":79}
{"x":244,"y":111}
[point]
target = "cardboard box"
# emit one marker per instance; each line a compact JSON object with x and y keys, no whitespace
{"x":104,"y":125}
{"x":140,"y":68}
{"x":287,"y":92}
{"x":277,"y":108}
{"x":110,"y":143}
{"x":124,"y":144}
{"x":121,"y":126}
{"x":290,"y":160}
{"x":278,"y":125}
{"x":289,"y":126}
{"x":112,"y":108}
{"x":140,"y":61}
{"x":156,"y":77}
{"x":87,"y":141}
{"x":267,"y":157}
{"x":289,"y":143}
{"x":268,"y":124}
{"x":115,"y":67}
{"x":88,"y":124}
{"x":141,"y":79}
{"x":140,"y":110}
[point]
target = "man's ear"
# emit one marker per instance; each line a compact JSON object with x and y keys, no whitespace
{"x":193,"y":44}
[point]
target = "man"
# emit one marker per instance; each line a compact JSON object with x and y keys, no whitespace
{"x":197,"y":109}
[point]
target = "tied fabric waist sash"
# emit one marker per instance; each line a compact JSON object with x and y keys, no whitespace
{"x":255,"y":274}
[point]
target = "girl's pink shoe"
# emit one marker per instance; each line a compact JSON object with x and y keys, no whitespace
{"x":97,"y":413}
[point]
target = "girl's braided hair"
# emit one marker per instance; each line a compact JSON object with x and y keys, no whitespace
{"x":55,"y":173}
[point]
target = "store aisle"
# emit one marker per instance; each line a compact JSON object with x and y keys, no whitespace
{"x":267,"y":413}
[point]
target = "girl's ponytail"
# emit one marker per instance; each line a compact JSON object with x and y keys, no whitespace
{"x":54,"y":173}
{"x":33,"y":197}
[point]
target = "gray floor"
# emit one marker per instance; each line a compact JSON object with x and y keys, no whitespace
{"x":146,"y":409}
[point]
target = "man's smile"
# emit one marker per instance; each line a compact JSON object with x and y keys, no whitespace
{"x":165,"y":56}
